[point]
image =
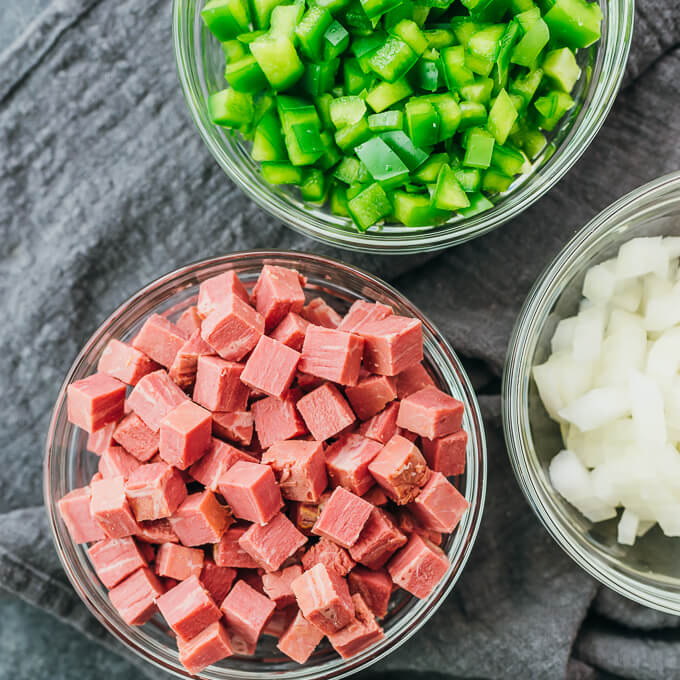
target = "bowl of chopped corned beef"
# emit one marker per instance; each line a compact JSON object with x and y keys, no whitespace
{"x":265,"y":462}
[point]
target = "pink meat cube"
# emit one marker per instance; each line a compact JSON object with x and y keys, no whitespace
{"x":306,"y":382}
{"x":374,"y":586}
{"x":217,"y":580}
{"x":156,"y":531}
{"x":246,"y":612}
{"x":304,"y":515}
{"x":115,"y":559}
{"x":332,"y":355}
{"x":208,"y":647}
{"x":280,"y":621}
{"x":76,"y":512}
{"x":146,"y":550}
{"x":400,"y":469}
{"x":154,"y":396}
{"x":362,"y":312}
{"x":253,"y":577}
{"x":110,"y":508}
{"x":251,"y":491}
{"x":236,"y":426}
{"x":412,"y":380}
{"x":343,"y":517}
{"x":325,"y":411}
{"x":136,"y":437}
{"x":277,"y":420}
{"x":439,"y":505}
{"x":186,"y":433}
{"x":371,"y":394}
{"x":378,"y":541}
{"x":271,"y":367}
{"x":218,"y":385}
{"x":320,"y":313}
{"x":272,"y":544}
{"x":324,"y":599}
{"x":331,"y":555}
{"x":117,"y":462}
{"x":278,"y":291}
{"x":200,"y":519}
{"x":418,"y":567}
{"x":124,"y":362}
{"x":300,"y":468}
{"x":300,"y":639}
{"x":189,"y":321}
{"x":348,"y":460}
{"x":229,"y":553}
{"x":160,"y":340}
{"x":392,"y":345}
{"x":188,"y":608}
{"x":233,"y":328}
{"x":185,"y":365}
{"x":212,"y":466}
{"x":375,"y":496}
{"x":277,"y":585}
{"x":446,"y":454}
{"x":135,"y":598}
{"x":408,"y":524}
{"x":217,"y":289}
{"x":361,"y":632}
{"x":95,"y":401}
{"x":291,"y":331}
{"x":382,"y":426}
{"x":430,"y":413}
{"x":155,"y":491}
{"x":100,"y":440}
{"x":178,"y":562}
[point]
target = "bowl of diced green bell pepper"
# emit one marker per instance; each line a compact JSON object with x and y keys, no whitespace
{"x":399,"y":126}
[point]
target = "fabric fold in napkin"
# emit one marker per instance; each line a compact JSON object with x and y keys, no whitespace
{"x":105,"y":184}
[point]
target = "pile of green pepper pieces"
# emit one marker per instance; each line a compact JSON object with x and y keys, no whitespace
{"x":402,"y":111}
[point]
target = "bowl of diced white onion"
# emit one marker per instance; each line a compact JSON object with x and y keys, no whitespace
{"x":591,"y":396}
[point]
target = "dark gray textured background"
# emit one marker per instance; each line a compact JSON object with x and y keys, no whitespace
{"x":104,"y":185}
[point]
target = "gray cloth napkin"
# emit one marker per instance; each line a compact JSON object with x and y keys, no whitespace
{"x":105,"y":184}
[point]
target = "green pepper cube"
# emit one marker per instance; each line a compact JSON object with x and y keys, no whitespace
{"x":335,"y":40}
{"x":464,"y":28}
{"x":308,"y":138}
{"x":313,"y":187}
{"x":404,"y":147}
{"x":233,"y":50}
{"x":416,"y":210}
{"x":369,"y":205}
{"x":268,"y":144}
{"x":338,"y":201}
{"x":311,"y":30}
{"x":576,"y":23}
{"x":533,"y":143}
{"x":251,"y":36}
{"x":376,"y":8}
{"x":508,"y":160}
{"x":278,"y":60}
{"x":347,"y":170}
{"x":281,"y":173}
{"x":485,"y":43}
{"x":385,"y":121}
{"x":526,"y":51}
{"x":479,"y":203}
{"x":349,"y":136}
{"x":448,"y":193}
{"x":552,"y":107}
{"x":323,"y":106}
{"x":502,"y":117}
{"x":478,"y":91}
{"x":561,"y":67}
{"x":262,"y":12}
{"x":382,"y":163}
{"x":449,"y":113}
{"x":420,"y":14}
{"x":470,"y":179}
{"x":486,"y":10}
{"x":502,"y":69}
{"x":456,"y":73}
{"x":422,"y":121}
{"x":285,"y":18}
{"x":427,"y":173}
{"x":479,"y":148}
{"x":245,"y":75}
{"x":355,"y":189}
{"x":319,"y":78}
{"x":439,"y":38}
{"x":517,"y":6}
{"x":230,"y":108}
{"x":347,"y":111}
{"x":364,"y":48}
{"x":495,"y":182}
{"x":355,"y":79}
{"x":425,"y":75}
{"x":392,"y":60}
{"x":526,"y":86}
{"x":472,"y":114}
{"x":409,"y":31}
{"x":226,"y":18}
{"x":331,"y":155}
{"x":384,"y":95}
{"x":404,"y":10}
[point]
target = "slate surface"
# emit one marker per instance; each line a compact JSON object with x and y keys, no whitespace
{"x":104,"y":185}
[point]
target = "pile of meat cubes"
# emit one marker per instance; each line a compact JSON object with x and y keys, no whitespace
{"x":303,"y":481}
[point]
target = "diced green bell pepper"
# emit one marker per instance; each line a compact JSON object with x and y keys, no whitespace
{"x":404,"y":147}
{"x":439,"y":38}
{"x":285,"y":18}
{"x":335,"y":40}
{"x":364,"y":48}
{"x":561,"y":67}
{"x":478,"y":91}
{"x":420,"y":14}
{"x":347,"y":170}
{"x":409,"y":32}
{"x":245,"y":75}
{"x":226,"y":18}
{"x":233,"y":50}
{"x":422,"y":122}
{"x":347,"y":111}
{"x":495,"y":182}
{"x":311,"y":30}
{"x":427,"y":173}
{"x":320,"y":77}
{"x":464,"y":28}
{"x":508,"y":160}
{"x":448,"y":193}
{"x":479,"y":203}
{"x":416,"y":210}
{"x":230,"y":108}
{"x":449,"y":113}
{"x":456,"y":73}
{"x":268,"y":144}
{"x":392,"y":60}
{"x":530,"y":45}
{"x":349,"y":136}
{"x":278,"y":60}
{"x":384,"y":95}
{"x":426,"y":75}
{"x":501,"y":70}
{"x":472,"y":114}
{"x":383,"y":164}
{"x":385,"y":121}
{"x":261,"y":11}
{"x":313,"y":187}
{"x":478,"y":148}
{"x":470,"y":179}
{"x":404,"y":10}
{"x":338,"y":201}
{"x":552,"y":107}
{"x":323,"y":106}
{"x":502,"y":117}
{"x":525,"y":86}
{"x":376,"y":8}
{"x":577,"y":23}
{"x":369,"y":206}
{"x":282,"y":173}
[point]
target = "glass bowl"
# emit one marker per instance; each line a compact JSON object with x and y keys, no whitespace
{"x":649,"y":571}
{"x":68,"y":465}
{"x":200,"y":64}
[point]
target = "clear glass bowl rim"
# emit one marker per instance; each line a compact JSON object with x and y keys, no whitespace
{"x":607,"y":75}
{"x":475,"y":484}
{"x":516,"y":379}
